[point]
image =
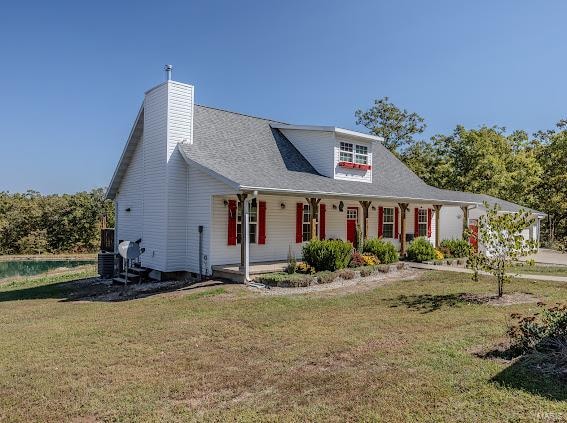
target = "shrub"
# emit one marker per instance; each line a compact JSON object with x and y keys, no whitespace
{"x":385,"y":251}
{"x":439,"y":255}
{"x":529,"y":331}
{"x":346,"y":274}
{"x":367,"y":271}
{"x":370,"y":259}
{"x":327,"y":254}
{"x":291,"y":262}
{"x":455,"y":247}
{"x":326,"y":277}
{"x":420,"y":249}
{"x":286,"y":280}
{"x":305,"y":268}
{"x":356,"y":259}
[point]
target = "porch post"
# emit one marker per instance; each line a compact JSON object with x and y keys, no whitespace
{"x":465,"y":210}
{"x":437,"y":208}
{"x":243,"y":226}
{"x":313,"y":204}
{"x":365,"y":205}
{"x":403,"y":208}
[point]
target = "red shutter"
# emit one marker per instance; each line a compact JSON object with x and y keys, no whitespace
{"x":322,"y":210}
{"x":380,"y":221}
{"x":299,"y":223}
{"x":232,"y":222}
{"x":416,"y":222}
{"x":429,"y":213}
{"x":396,"y":218}
{"x":261,"y":222}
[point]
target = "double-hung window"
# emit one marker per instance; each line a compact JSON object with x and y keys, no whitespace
{"x":422,"y":222}
{"x":388,"y":223}
{"x":306,"y":229}
{"x":252,"y":219}
{"x":361,"y":156}
{"x":346,"y":152}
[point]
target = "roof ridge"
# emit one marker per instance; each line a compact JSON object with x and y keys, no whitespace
{"x":241,"y":114}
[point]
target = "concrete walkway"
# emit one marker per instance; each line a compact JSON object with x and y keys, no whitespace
{"x":547,"y":256}
{"x":550,"y":278}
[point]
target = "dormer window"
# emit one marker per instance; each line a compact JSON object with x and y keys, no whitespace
{"x":345,"y":153}
{"x":361,"y":156}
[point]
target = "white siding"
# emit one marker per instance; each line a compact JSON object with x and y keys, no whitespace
{"x":351,"y":174}
{"x":130,"y":197}
{"x":201,"y":190}
{"x":316,"y":147}
{"x":180,"y":128}
{"x":280,"y":227}
{"x":154,"y":142}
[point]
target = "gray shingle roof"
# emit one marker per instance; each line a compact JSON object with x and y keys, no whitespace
{"x":248,"y":152}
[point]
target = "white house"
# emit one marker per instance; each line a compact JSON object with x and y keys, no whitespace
{"x":189,"y":172}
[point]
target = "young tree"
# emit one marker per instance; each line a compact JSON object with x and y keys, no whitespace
{"x":501,"y":243}
{"x":396,"y":126}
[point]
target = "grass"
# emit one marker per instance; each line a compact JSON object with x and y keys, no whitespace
{"x":401,"y":352}
{"x":540,"y":270}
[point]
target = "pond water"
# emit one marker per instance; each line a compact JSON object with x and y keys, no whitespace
{"x":35,"y":267}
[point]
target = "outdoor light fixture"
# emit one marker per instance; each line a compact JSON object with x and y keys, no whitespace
{"x":128,"y":209}
{"x":282,"y":205}
{"x":334,"y":206}
{"x":341,"y":206}
{"x":225,"y":202}
{"x":374,"y":208}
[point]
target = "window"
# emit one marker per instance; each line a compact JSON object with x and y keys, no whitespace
{"x":361,"y":156}
{"x":422,"y":222}
{"x":307,"y":222}
{"x":388,"y":223}
{"x":252,"y":219}
{"x":345,"y":152}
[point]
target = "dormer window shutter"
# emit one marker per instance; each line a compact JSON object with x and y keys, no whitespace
{"x":380,"y":221}
{"x":261,"y":222}
{"x":416,"y":222}
{"x":429,"y":213}
{"x":299,"y":223}
{"x":322,"y":220}
{"x":231,"y":222}
{"x":396,"y":218}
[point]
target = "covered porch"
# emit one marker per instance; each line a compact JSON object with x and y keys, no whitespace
{"x":276,"y":226}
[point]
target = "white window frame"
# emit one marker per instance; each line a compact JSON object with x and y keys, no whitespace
{"x":362,"y":156}
{"x":252,"y":222}
{"x":388,"y":223}
{"x":346,"y":152}
{"x":306,"y":222}
{"x":422,"y":222}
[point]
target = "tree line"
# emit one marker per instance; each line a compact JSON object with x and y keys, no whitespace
{"x":32,"y":223}
{"x":527,"y":169}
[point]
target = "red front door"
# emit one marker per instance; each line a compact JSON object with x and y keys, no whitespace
{"x":473,"y":240}
{"x":352,"y":219}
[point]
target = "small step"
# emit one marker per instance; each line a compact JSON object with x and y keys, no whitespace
{"x":138,"y":270}
{"x":132,"y":277}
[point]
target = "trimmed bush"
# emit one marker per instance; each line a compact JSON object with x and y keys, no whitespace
{"x":305,"y":269}
{"x":370,"y":259}
{"x":286,"y":280}
{"x":326,"y":277}
{"x":367,"y":271}
{"x":455,"y":248}
{"x":385,"y":251}
{"x":346,"y":274}
{"x":439,"y":255}
{"x":420,"y":249}
{"x":327,"y":254}
{"x":356,"y":259}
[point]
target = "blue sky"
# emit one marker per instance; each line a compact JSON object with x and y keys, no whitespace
{"x":73,"y":74}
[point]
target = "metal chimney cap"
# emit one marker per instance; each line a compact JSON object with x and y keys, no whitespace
{"x":168,"y":69}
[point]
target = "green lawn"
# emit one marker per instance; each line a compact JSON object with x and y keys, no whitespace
{"x":540,"y":270}
{"x":400,"y":352}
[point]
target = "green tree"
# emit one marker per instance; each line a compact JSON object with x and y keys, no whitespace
{"x":501,"y":243}
{"x":398,"y":127}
